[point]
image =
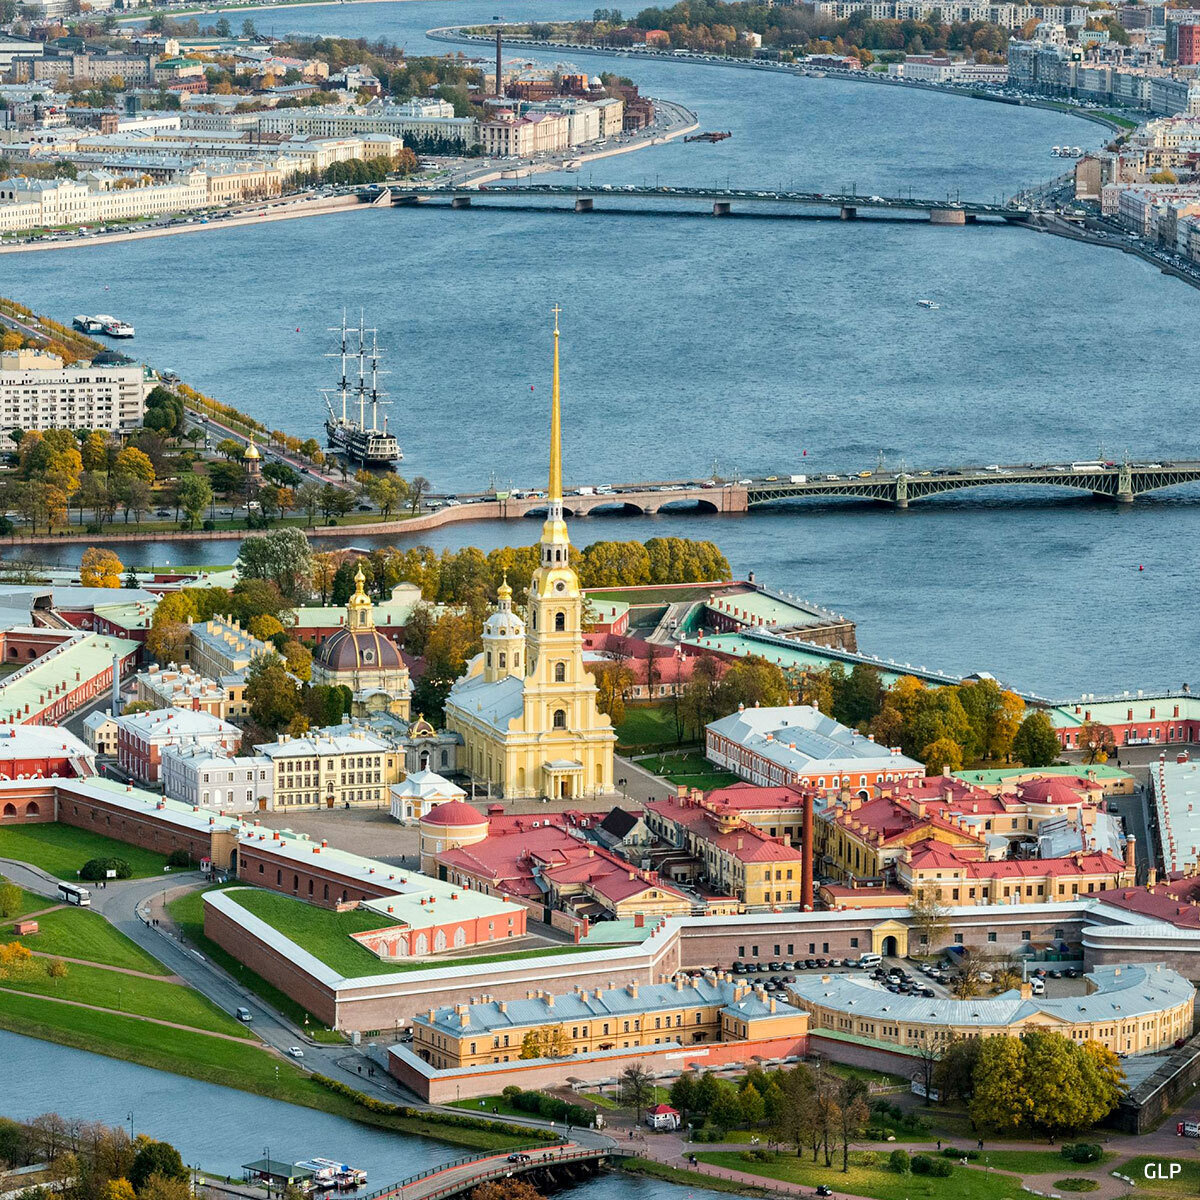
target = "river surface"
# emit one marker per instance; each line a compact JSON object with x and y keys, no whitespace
{"x":748,"y":346}
{"x":219,"y":1129}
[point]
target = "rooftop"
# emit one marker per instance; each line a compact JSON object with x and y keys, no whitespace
{"x":177,"y":722}
{"x":31,"y":688}
{"x":1176,"y":788}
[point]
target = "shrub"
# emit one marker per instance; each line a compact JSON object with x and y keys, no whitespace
{"x":921,"y":1164}
{"x":1076,"y":1183}
{"x":759,"y":1156}
{"x":899,"y":1162}
{"x":939,"y":1168}
{"x":951,"y":1152}
{"x":1081,"y":1152}
{"x":98,"y":868}
{"x":511,"y":1092}
{"x":179,"y":858}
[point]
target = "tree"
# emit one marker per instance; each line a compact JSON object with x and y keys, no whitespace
{"x":165,"y":1187}
{"x":994,"y":716}
{"x":852,"y":1114}
{"x":264,"y":626}
{"x":928,"y":916}
{"x":308,"y":500}
{"x":167,"y":637}
{"x":1036,"y":744}
{"x":273,"y":697}
{"x":283,"y":556}
{"x":636,"y":1089}
{"x":57,"y":969}
{"x":549,"y":1042}
{"x":156,"y":1158}
{"x":506,"y":1189}
{"x":1096,"y":741}
{"x":795,"y":1117}
{"x":117,"y":1189}
{"x":10,"y":899}
{"x":132,"y":461}
{"x":100,"y":568}
{"x":954,"y":1075}
{"x":387,"y":492}
{"x":752,"y":681}
{"x":860,"y":698}
{"x":970,"y":966}
{"x":612,"y":681}
{"x":298,"y":658}
{"x":943,"y":756}
{"x":230,"y":448}
{"x":1000,"y":1101}
{"x":726,"y":1112}
{"x":193,"y":494}
{"x":682,"y":1094}
{"x":752,"y":1108}
{"x":416,"y":489}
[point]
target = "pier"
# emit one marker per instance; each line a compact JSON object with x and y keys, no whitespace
{"x":720,"y":202}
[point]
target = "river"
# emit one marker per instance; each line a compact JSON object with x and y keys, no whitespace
{"x":219,"y":1129}
{"x":754,"y":346}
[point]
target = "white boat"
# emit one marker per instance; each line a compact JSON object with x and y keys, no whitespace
{"x":86,"y":324}
{"x":931,"y":304}
{"x":111,"y":326}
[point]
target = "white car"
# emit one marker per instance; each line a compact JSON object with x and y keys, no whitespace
{"x":295,"y":1052}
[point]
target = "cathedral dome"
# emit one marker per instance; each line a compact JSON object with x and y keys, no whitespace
{"x":354,"y":650}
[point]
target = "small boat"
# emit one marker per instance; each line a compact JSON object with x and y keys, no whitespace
{"x":87,"y":324}
{"x":930,"y":304}
{"x":111,"y":327}
{"x":329,"y":1175}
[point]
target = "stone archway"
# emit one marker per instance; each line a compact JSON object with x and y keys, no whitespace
{"x":890,"y":938}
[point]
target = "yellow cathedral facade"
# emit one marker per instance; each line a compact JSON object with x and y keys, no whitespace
{"x":526,"y":708}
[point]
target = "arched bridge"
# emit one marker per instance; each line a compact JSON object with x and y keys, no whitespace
{"x":546,"y":1166}
{"x":1119,"y":482}
{"x":585,"y":198}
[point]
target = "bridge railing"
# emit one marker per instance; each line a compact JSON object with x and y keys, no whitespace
{"x":540,"y":1155}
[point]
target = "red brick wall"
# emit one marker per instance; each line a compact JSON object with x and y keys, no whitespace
{"x":259,"y":865}
{"x":136,"y":828}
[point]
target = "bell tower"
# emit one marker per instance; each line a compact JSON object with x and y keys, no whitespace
{"x":503,"y":639}
{"x":359,"y":615}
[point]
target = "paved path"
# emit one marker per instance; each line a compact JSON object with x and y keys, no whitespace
{"x":87,"y":962}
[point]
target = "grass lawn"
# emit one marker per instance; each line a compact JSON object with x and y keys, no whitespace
{"x":129,"y":993}
{"x":690,"y":769}
{"x":62,"y":849}
{"x":29,"y":902}
{"x":874,"y":1181}
{"x":657,"y":1170}
{"x":487,"y":1103}
{"x":647,"y":725}
{"x":187,"y":911}
{"x":77,"y":933}
{"x":1036,"y":1162}
{"x":1186,"y":1183}
{"x":326,"y":935}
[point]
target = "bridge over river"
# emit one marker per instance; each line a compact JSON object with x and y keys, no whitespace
{"x":1120,"y":483}
{"x":582,"y":198}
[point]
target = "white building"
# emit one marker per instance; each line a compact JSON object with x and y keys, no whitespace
{"x":212,"y":779}
{"x":420,"y":792}
{"x":332,"y":771}
{"x":100,"y":732}
{"x":37,"y":391}
{"x":417,"y":118}
{"x":142,"y":738}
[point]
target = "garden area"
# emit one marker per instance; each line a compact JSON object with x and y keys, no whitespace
{"x":62,"y":850}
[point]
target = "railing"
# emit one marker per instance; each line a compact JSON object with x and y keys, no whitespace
{"x":499,"y":1168}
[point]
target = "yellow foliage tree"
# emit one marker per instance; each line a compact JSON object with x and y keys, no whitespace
{"x":100,"y":568}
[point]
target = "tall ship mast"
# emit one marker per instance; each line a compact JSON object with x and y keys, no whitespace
{"x":370,"y":445}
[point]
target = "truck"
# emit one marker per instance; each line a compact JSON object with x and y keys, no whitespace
{"x":586,"y":491}
{"x":798,"y":478}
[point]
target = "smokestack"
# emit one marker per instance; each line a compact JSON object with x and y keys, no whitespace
{"x":499,"y":86}
{"x":1131,"y":852}
{"x":806,"y":864}
{"x":116,"y":685}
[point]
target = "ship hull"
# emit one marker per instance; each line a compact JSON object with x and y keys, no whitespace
{"x":370,"y":447}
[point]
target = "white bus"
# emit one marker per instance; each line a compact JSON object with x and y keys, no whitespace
{"x":73,"y":894}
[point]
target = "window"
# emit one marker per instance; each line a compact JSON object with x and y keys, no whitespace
{"x":1025,"y":935}
{"x":560,"y":622}
{"x":560,"y":718}
{"x":560,"y":672}
{"x":958,"y":939}
{"x":991,"y":936}
{"x":853,"y":944}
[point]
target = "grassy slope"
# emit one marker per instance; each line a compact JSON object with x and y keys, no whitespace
{"x":131,"y":994}
{"x":873,"y":1181}
{"x":214,"y":1060}
{"x":30,"y":902}
{"x":62,"y":849}
{"x":1186,"y":1183}
{"x":77,"y":933}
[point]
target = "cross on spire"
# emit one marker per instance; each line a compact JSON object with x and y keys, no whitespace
{"x":556,"y":310}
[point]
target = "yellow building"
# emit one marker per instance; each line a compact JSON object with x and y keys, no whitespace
{"x":1129,"y":1010}
{"x":687,"y":1011}
{"x":526,"y":708}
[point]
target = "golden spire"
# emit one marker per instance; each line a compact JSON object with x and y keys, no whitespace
{"x":504,"y":592}
{"x":555,"y":424}
{"x":359,"y":580}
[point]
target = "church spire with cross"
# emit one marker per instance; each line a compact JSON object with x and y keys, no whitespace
{"x":555,"y":541}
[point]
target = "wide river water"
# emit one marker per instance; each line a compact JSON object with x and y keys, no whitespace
{"x":689,"y":342}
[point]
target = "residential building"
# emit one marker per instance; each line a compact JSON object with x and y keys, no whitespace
{"x":526,"y":708}
{"x":1127,"y":1009}
{"x":416,"y":119}
{"x":184,"y":687}
{"x":507,"y":135}
{"x":798,"y":745}
{"x":37,"y":391}
{"x":100,"y":730}
{"x":222,"y":647}
{"x":326,"y":772}
{"x":207,"y":778}
{"x":691,"y":1011}
{"x":142,"y":737}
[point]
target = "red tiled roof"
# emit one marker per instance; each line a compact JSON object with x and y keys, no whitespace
{"x":745,"y":842}
{"x":454,"y":813}
{"x":748,"y":797}
{"x":1057,"y":789}
{"x":1177,"y":901}
{"x":930,"y":854}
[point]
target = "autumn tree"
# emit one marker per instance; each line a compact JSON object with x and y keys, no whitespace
{"x":994,"y":716}
{"x":547,"y":1042}
{"x":167,"y":637}
{"x":1000,"y":1101}
{"x":193,"y":494}
{"x":613,"y":680}
{"x":942,"y":757}
{"x":100,"y":568}
{"x":506,"y":1189}
{"x":852,"y":1114}
{"x":1096,"y":741}
{"x":10,"y":898}
{"x":284,"y":557}
{"x":274,"y":699}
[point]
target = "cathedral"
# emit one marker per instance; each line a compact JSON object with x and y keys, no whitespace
{"x":359,"y":657}
{"x":526,"y":708}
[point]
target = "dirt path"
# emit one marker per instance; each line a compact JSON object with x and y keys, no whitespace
{"x":87,"y":962}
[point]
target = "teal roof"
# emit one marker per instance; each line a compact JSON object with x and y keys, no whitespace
{"x":989,"y":778}
{"x":61,"y":670}
{"x":1115,"y":710}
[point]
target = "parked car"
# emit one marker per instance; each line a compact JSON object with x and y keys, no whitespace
{"x":295,"y":1052}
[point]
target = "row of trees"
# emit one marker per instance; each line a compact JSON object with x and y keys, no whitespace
{"x":942,"y":726}
{"x":92,"y":1161}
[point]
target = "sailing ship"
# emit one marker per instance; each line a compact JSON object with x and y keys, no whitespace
{"x":371,"y":445}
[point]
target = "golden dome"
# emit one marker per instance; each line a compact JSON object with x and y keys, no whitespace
{"x":251,"y":451}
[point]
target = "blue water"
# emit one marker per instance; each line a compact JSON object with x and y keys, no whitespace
{"x":749,"y":346}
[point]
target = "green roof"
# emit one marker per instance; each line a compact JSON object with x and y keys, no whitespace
{"x":61,"y":669}
{"x":787,"y":655}
{"x":1115,"y":710}
{"x":989,"y":778}
{"x":128,"y":616}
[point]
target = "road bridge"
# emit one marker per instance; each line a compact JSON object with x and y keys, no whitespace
{"x":543,"y":1166}
{"x":584,"y":198}
{"x":1119,"y":482}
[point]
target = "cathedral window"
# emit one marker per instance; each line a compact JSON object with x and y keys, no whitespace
{"x":560,"y":672}
{"x":560,"y":622}
{"x":516,"y":658}
{"x":560,"y":718}
{"x":489,"y":658}
{"x":503,"y":659}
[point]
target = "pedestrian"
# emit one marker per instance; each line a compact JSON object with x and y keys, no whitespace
{"x":981,"y":1143}
{"x":939,"y":1143}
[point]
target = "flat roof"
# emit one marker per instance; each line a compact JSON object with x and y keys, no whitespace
{"x":35,"y":684}
{"x":998,"y":775}
{"x":1176,"y":788}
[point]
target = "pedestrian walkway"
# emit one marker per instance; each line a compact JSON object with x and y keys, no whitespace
{"x":87,"y":962}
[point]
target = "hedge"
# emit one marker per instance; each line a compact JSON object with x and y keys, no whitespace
{"x":98,"y":868}
{"x":1081,"y":1152}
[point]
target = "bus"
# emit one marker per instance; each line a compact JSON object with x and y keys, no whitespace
{"x":73,"y":894}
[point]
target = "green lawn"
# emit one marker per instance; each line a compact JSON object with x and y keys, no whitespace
{"x":1186,"y":1183}
{"x":689,"y":770}
{"x":132,"y":994}
{"x":62,"y":849}
{"x":326,"y":935}
{"x":1036,"y":1162}
{"x":487,"y":1103}
{"x":647,"y":725}
{"x":214,"y":1060}
{"x":77,"y":933}
{"x":29,"y":902}
{"x":656,"y":1170}
{"x":874,"y":1181}
{"x":187,"y":911}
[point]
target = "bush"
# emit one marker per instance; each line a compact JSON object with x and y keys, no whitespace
{"x":921,"y":1164}
{"x":92,"y":527}
{"x":511,"y":1092}
{"x":98,"y":868}
{"x":179,"y":858}
{"x":951,"y":1152}
{"x":899,"y":1162}
{"x":1081,"y":1152}
{"x":759,"y":1156}
{"x":939,"y":1168}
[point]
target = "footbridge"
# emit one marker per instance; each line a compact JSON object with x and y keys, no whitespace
{"x":543,"y":1167}
{"x":1119,"y":482}
{"x":581,"y":198}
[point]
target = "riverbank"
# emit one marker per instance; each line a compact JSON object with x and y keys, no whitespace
{"x":458,"y":34}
